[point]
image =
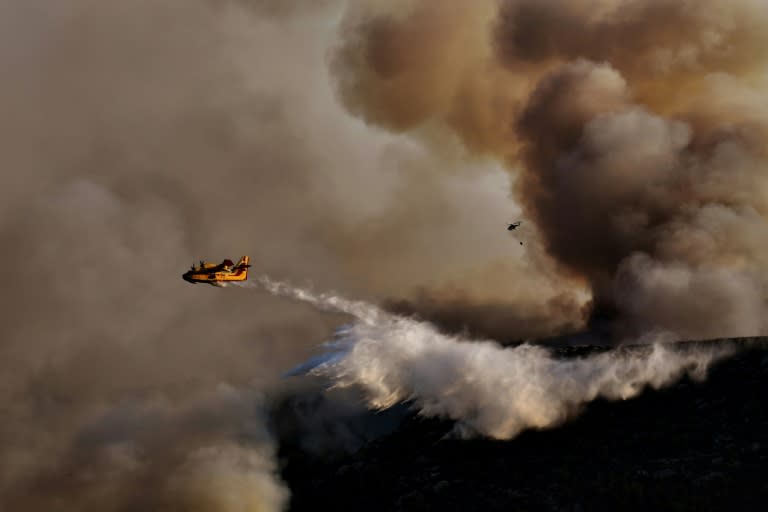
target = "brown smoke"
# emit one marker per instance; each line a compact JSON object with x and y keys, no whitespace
{"x":210,"y":453}
{"x":502,"y":302}
{"x":139,"y":136}
{"x":635,"y":132}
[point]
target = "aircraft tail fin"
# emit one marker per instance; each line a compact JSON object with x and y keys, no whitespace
{"x":242,"y":266}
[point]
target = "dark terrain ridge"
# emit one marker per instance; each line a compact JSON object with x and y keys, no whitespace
{"x":691,"y":446}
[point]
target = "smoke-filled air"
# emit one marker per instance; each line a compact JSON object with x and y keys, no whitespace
{"x":635,"y":132}
{"x":377,"y":148}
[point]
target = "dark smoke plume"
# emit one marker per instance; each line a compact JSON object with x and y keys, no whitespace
{"x":635,"y":132}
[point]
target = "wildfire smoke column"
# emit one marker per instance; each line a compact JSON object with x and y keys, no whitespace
{"x":635,"y":132}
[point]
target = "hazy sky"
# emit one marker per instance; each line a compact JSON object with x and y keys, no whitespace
{"x":377,"y":148}
{"x":140,"y":137}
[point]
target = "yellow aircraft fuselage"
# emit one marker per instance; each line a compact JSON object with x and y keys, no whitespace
{"x":218,"y":274}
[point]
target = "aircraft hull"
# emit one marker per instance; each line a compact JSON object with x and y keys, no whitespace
{"x":214,"y":279}
{"x":214,"y":275}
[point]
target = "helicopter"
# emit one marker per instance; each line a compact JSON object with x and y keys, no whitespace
{"x":513,"y":226}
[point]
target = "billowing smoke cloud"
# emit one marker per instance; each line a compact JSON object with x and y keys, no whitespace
{"x":139,"y":136}
{"x":206,"y":453}
{"x":635,"y":132}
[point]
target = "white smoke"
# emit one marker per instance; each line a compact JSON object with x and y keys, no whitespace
{"x":484,"y":387}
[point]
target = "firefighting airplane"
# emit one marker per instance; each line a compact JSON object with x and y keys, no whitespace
{"x":218,"y":275}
